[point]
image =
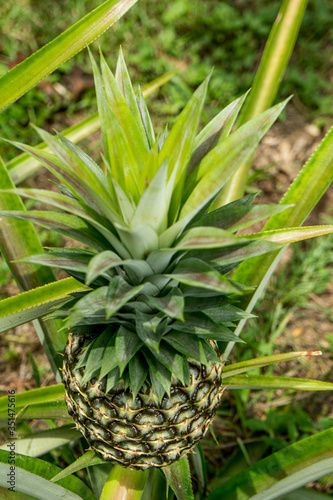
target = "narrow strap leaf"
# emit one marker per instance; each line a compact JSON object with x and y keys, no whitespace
{"x":86,"y":460}
{"x":178,"y":477}
{"x":35,"y":475}
{"x":270,"y":382}
{"x":216,"y":131}
{"x":252,"y":364}
{"x":65,"y":224}
{"x":125,"y":85}
{"x":35,"y":303}
{"x":33,"y":69}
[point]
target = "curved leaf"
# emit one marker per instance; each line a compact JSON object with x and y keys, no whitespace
{"x":87,"y":460}
{"x":281,"y":472}
{"x":13,"y":247}
{"x":178,"y":477}
{"x":23,"y":166}
{"x":252,"y":364}
{"x":305,"y":192}
{"x":42,"y":442}
{"x":32,"y":70}
{"x":32,"y":476}
{"x":35,"y":303}
{"x":34,"y":399}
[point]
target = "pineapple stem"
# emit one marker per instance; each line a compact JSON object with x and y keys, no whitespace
{"x":124,"y":484}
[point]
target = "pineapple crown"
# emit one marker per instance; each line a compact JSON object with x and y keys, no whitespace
{"x":160,"y":249}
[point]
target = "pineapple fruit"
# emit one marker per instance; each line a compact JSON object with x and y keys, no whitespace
{"x":142,"y":366}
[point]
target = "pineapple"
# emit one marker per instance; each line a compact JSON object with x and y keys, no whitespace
{"x":142,"y":366}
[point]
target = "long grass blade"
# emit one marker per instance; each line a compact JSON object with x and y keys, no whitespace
{"x":32,"y":70}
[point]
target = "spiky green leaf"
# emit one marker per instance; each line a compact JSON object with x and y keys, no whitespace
{"x":101,"y":263}
{"x":197,"y":273}
{"x":126,"y":345}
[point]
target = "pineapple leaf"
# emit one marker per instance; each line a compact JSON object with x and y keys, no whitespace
{"x":63,"y":223}
{"x":172,"y":304}
{"x":90,"y":309}
{"x":87,"y":460}
{"x":178,"y":476}
{"x":65,"y":203}
{"x":252,"y":364}
{"x":145,"y":118}
{"x":187,"y":344}
{"x":209,"y":352}
{"x":202,"y":325}
{"x":257,"y":127}
{"x":95,"y":355}
{"x":121,"y":161}
{"x":125,"y":85}
{"x":150,"y":168}
{"x":137,"y":270}
{"x":109,"y":362}
{"x":75,"y":207}
{"x":153,"y":321}
{"x":220,"y":336}
{"x":126,"y":205}
{"x":236,"y":253}
{"x":239,"y":217}
{"x":222,"y":162}
{"x":32,"y":70}
{"x":132,"y":130}
{"x":153,"y":206}
{"x":207,"y":237}
{"x":160,"y":259}
{"x":119,"y":292}
{"x":92,"y":181}
{"x":106,"y":119}
{"x":158,"y":388}
{"x":140,"y":241}
{"x":84,"y":356}
{"x":193,"y":302}
{"x":171,"y":359}
{"x":216,"y":131}
{"x":197,"y":273}
{"x":35,"y":303}
{"x":66,"y":259}
{"x":35,"y":481}
{"x":101,"y":263}
{"x":159,"y":372}
{"x":227,"y":313}
{"x":148,"y":336}
{"x":83,"y":160}
{"x":74,"y":180}
{"x":221,"y":166}
{"x":291,"y":234}
{"x":178,"y":146}
{"x":126,"y":345}
{"x":112,"y":379}
{"x":162,"y":138}
{"x":273,"y":382}
{"x":138,"y":371}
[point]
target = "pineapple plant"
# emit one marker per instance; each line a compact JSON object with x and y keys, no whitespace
{"x":143,"y":366}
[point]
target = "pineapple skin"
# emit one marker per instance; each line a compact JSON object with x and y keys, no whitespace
{"x":140,"y":433}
